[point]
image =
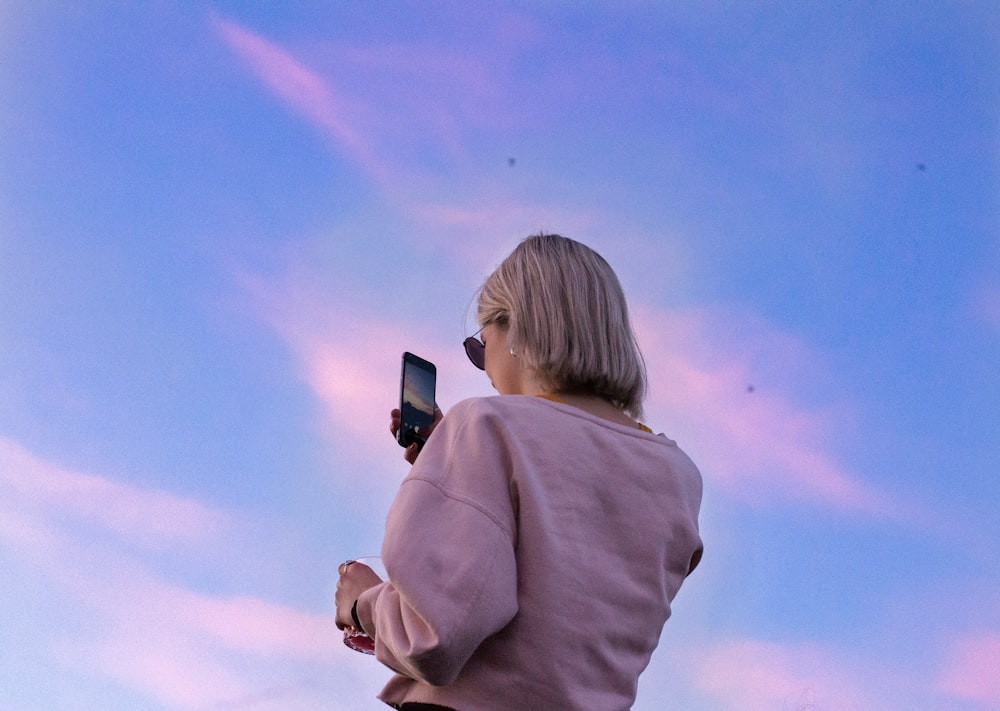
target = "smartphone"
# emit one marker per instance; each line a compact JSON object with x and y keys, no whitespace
{"x":416,"y":400}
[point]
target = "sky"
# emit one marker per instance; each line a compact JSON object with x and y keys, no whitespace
{"x":221,"y":223}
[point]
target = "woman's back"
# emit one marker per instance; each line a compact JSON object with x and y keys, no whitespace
{"x":601,"y":524}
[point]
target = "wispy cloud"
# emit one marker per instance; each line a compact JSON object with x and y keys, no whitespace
{"x":191,"y":649}
{"x":752,"y":675}
{"x":970,"y":671}
{"x":350,"y":360}
{"x":439,"y":97}
{"x":146,"y":516}
{"x":755,"y":442}
{"x":758,"y":675}
{"x":408,"y":95}
{"x":422,"y":85}
{"x":88,"y":535}
{"x":304,"y":91}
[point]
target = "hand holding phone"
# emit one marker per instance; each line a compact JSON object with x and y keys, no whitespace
{"x":417,"y":385}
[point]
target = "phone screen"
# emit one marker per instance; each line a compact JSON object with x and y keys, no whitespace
{"x":416,"y":400}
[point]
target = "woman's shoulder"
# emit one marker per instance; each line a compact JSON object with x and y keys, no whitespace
{"x":473,"y":412}
{"x":496,"y":413}
{"x":490,"y":404}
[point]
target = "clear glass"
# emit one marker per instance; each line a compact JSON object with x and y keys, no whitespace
{"x":353,"y":637}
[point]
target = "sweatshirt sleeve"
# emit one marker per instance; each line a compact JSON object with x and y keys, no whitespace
{"x":449,"y":552}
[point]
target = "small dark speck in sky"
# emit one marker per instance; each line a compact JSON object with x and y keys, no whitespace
{"x":921,"y":167}
{"x":511,"y":162}
{"x":749,"y":388}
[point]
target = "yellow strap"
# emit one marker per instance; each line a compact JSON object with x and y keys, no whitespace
{"x":553,"y":398}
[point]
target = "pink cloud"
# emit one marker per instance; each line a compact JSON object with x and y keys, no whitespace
{"x":169,"y":670}
{"x":304,"y":91}
{"x":131,"y":597}
{"x":243,"y":624}
{"x":350,"y":360}
{"x":352,"y":376}
{"x":419,"y":92}
{"x":751,"y":675}
{"x":180,"y":646}
{"x":755,"y":443}
{"x":439,"y":96}
{"x":147,"y":516}
{"x":344,"y":355}
{"x":754,"y":675}
{"x":420,"y":83}
{"x":26,"y":532}
{"x":971,"y":670}
{"x":254,"y":625}
{"x":193,"y":650}
{"x":41,"y":494}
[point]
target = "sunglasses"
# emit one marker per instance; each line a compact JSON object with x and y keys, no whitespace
{"x":476,"y":350}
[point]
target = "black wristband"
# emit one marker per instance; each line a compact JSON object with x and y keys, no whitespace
{"x":354,"y":615}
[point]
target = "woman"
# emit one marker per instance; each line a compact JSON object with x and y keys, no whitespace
{"x":536,"y":544}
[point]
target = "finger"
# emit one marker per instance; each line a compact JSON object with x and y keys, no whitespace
{"x":411,"y":452}
{"x":338,"y":603}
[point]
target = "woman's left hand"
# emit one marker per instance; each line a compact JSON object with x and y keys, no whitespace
{"x":355,"y":578}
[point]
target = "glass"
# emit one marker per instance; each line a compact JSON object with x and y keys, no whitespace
{"x":355,"y":638}
{"x":358,"y":641}
{"x":476,"y":350}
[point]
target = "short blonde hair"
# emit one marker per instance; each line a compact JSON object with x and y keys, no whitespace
{"x":568,"y":320}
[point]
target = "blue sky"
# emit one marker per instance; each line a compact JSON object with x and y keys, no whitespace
{"x":222,"y":223}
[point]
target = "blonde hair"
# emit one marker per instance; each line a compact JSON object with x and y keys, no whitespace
{"x":568,"y":320}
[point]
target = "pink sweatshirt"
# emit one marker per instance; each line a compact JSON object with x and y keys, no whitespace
{"x":533,"y":552}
